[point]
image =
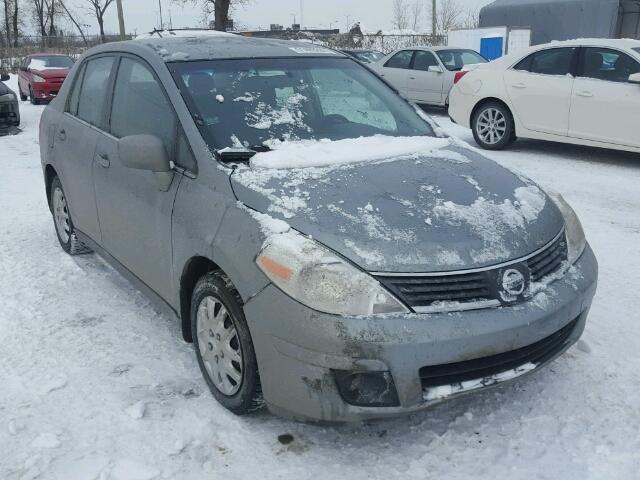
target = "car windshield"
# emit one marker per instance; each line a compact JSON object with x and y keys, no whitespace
{"x":454,"y":60}
{"x":369,"y":56}
{"x":637,"y":49}
{"x":54,"y":61}
{"x":245,"y":103}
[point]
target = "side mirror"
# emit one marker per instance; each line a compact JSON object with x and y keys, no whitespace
{"x":4,"y":77}
{"x":147,"y":152}
{"x":635,"y":78}
{"x":435,"y":69}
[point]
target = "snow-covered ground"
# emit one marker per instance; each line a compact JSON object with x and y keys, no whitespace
{"x":95,"y":384}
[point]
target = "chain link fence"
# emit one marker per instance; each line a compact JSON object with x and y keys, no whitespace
{"x":71,"y":45}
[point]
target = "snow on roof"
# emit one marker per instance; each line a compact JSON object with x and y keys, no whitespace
{"x":183,"y":33}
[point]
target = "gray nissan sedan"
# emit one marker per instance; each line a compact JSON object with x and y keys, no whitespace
{"x":329,"y":252}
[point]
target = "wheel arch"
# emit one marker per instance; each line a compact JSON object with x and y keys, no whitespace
{"x":49,"y":174}
{"x":193,"y":270}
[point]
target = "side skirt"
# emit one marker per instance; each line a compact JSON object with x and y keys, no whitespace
{"x":157,"y":300}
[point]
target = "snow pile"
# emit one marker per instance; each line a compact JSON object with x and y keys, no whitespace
{"x":322,"y":153}
{"x":186,"y":33}
{"x":266,"y":116}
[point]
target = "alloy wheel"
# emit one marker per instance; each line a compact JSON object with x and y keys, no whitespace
{"x":219,"y":345}
{"x":491,"y":126}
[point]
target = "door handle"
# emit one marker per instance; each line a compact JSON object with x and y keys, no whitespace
{"x":519,"y":85}
{"x":62,"y":135}
{"x":584,"y":93}
{"x":103,"y":160}
{"x":412,"y":78}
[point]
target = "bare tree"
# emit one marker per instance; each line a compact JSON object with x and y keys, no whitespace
{"x":14,"y":22}
{"x":416,"y":14}
{"x":72,"y":18}
{"x":98,"y":9}
{"x":10,"y":10}
{"x":472,"y":18}
{"x":400,"y":14}
{"x":7,"y":23}
{"x":448,"y":16}
{"x":44,"y":14}
{"x":220,"y":9}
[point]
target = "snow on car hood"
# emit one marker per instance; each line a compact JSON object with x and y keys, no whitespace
{"x":432,"y":205}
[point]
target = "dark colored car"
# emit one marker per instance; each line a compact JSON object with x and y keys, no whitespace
{"x":42,"y":75}
{"x":364,"y":56}
{"x":329,"y":253}
{"x":9,"y":110}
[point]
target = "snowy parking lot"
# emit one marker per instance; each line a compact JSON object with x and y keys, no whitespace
{"x":96,"y":384}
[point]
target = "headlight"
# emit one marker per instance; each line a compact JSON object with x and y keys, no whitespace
{"x":576,"y":240}
{"x":38,"y":79}
{"x":7,"y":97}
{"x":319,"y":279}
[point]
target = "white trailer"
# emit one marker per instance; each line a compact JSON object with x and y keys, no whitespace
{"x":491,"y":42}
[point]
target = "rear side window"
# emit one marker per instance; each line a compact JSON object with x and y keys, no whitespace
{"x":140,"y":107}
{"x":553,"y":61}
{"x":400,"y":60}
{"x":72,"y":105}
{"x":423,"y":60}
{"x":607,"y":64}
{"x":94,"y":90}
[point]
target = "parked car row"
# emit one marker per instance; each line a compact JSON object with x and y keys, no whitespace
{"x":418,"y":272}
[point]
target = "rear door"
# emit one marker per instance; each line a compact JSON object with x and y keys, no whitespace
{"x":75,"y":141}
{"x":424,"y":86}
{"x":540,"y":87}
{"x":396,"y":70}
{"x":135,"y":216}
{"x":605,"y":107}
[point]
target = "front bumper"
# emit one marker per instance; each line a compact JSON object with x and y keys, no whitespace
{"x":46,"y":90}
{"x":299,"y":349}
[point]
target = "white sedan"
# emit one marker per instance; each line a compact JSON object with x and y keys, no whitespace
{"x":584,"y":92}
{"x":425,"y":74}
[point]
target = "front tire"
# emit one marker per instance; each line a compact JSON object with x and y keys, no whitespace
{"x":65,"y":230}
{"x":23,"y":97}
{"x":32,"y":98}
{"x":493,"y":127}
{"x":223,"y":345}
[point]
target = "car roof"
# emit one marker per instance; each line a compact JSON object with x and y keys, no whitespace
{"x":199,"y":46}
{"x":598,"y":42}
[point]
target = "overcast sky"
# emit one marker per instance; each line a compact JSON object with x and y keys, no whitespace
{"x":142,"y":15}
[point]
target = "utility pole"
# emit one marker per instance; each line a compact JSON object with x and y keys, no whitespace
{"x":161,"y":21}
{"x":434,"y":18}
{"x":123,"y":34}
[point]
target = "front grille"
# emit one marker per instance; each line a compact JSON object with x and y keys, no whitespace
{"x":474,"y":289}
{"x":536,"y":353}
{"x":549,"y":260}
{"x":424,"y":291}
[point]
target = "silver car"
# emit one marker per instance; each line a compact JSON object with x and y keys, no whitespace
{"x":425,"y":75}
{"x":328,"y":252}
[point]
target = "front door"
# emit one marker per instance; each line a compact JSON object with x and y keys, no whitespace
{"x":605,"y":107}
{"x":135,"y":215}
{"x":425,"y":86}
{"x":540,"y":89}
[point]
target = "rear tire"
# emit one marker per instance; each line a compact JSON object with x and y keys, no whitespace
{"x":65,"y":230}
{"x":223,"y":345}
{"x":493,"y":127}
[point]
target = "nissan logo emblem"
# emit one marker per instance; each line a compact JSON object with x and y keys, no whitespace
{"x":513,"y":282}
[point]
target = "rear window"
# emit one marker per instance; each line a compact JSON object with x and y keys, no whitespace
{"x":454,"y":60}
{"x":94,"y":85}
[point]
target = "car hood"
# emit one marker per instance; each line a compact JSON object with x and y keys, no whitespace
{"x":449,"y":210}
{"x":51,"y":72}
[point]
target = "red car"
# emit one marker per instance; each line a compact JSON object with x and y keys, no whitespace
{"x":41,"y":76}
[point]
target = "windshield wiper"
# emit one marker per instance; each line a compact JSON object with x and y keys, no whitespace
{"x":240,"y":154}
